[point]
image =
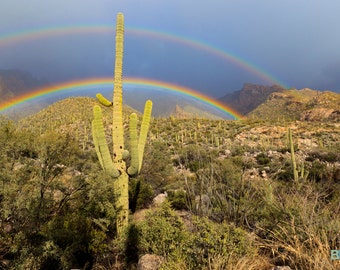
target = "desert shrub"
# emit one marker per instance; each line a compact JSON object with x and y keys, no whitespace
{"x":305,"y":231}
{"x":286,"y":171}
{"x":157,"y":170}
{"x":318,"y":171}
{"x":178,"y":199}
{"x":56,"y":217}
{"x":194,"y":157}
{"x":212,"y":240}
{"x":212,"y":246}
{"x":321,"y":155}
{"x":206,"y":243}
{"x":140,"y":194}
{"x":162,"y":232}
{"x":68,"y":239}
{"x":238,"y":150}
{"x":263,"y":159}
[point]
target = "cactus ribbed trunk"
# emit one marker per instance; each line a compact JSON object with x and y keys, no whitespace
{"x":121,"y":184}
{"x":117,"y":129}
{"x":116,"y":166}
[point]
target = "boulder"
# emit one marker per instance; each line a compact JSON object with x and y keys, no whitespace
{"x":150,"y":262}
{"x":281,"y":268}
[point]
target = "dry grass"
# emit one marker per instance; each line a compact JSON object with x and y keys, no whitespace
{"x":305,"y":240}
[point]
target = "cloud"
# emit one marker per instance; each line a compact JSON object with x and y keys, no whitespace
{"x":285,"y":39}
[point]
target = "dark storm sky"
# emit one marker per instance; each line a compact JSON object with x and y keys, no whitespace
{"x":212,"y":46}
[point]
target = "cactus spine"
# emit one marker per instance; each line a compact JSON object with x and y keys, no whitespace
{"x":116,"y":167}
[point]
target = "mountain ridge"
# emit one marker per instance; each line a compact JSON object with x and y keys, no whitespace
{"x":249,"y":97}
{"x":252,"y":100}
{"x":304,"y":104}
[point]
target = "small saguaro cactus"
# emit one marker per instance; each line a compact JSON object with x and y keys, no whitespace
{"x":116,"y":166}
{"x":292,"y":154}
{"x":299,"y":172}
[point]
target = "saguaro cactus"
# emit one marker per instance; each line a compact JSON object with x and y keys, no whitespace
{"x":292,"y":154}
{"x":299,"y":172}
{"x":116,"y":166}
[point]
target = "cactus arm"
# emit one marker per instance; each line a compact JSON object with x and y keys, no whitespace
{"x":96,"y":145}
{"x":101,"y":146}
{"x":103,"y":100}
{"x":144,"y":131}
{"x":117,"y":129}
{"x":133,"y":169}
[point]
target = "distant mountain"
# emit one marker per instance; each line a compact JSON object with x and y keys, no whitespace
{"x":305,"y":105}
{"x":15,"y":82}
{"x":172,"y":104}
{"x":255,"y":101}
{"x":249,"y":97}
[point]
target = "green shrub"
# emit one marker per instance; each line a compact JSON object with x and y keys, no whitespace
{"x":140,"y":194}
{"x":162,"y":232}
{"x":263,"y":159}
{"x":206,"y":242}
{"x":194,"y":157}
{"x":328,"y":156}
{"x":210,"y":241}
{"x":178,"y":199}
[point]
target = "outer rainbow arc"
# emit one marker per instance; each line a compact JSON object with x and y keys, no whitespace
{"x":108,"y":81}
{"x":190,"y":42}
{"x":201,"y":45}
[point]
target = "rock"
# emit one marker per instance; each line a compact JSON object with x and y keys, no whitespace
{"x":7,"y":229}
{"x":281,"y":268}
{"x":17,"y":166}
{"x":150,"y":262}
{"x":318,"y":114}
{"x":227,"y":152}
{"x":159,"y":199}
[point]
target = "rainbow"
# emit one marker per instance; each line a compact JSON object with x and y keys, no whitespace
{"x":53,"y":31}
{"x":100,"y":83}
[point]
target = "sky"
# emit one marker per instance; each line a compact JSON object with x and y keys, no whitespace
{"x":211,"y":46}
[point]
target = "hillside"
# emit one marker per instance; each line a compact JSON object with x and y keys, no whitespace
{"x":249,"y":97}
{"x":166,"y":104}
{"x":305,"y":104}
{"x":171,"y":104}
{"x":229,"y":187}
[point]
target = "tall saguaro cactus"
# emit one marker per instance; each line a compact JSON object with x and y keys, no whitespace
{"x":116,"y":166}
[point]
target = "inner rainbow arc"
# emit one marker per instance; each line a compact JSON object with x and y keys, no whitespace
{"x":97,"y":83}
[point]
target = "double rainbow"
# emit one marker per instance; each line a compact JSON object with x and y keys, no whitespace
{"x":54,"y":31}
{"x":80,"y":86}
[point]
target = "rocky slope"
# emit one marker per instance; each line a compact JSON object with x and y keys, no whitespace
{"x":249,"y":97}
{"x":305,"y":104}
